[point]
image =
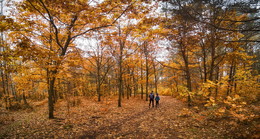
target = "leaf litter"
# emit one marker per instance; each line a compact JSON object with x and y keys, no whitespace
{"x":92,"y":119}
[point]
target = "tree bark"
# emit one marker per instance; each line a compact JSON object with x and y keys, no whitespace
{"x":187,"y":72}
{"x":120,"y":78}
{"x":204,"y":64}
{"x":98,"y":82}
{"x":217,"y":78}
{"x":147,"y":71}
{"x":51,"y":82}
{"x":142,"y":87}
{"x":155,"y":78}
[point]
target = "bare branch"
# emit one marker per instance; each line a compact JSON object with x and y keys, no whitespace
{"x":51,"y":20}
{"x":104,"y":26}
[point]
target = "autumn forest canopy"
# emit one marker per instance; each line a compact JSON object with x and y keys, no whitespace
{"x":205,"y":53}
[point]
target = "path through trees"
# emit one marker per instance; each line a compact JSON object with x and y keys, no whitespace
{"x":92,"y":119}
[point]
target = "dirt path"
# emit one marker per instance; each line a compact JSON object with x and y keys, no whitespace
{"x":92,"y":119}
{"x":144,"y":122}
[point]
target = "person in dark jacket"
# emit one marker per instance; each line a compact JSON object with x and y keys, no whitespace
{"x":151,"y":97}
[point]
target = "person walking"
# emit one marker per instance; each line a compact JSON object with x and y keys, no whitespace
{"x":151,"y":96}
{"x":157,"y":99}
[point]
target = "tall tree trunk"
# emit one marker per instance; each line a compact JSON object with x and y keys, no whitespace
{"x":204,"y":64}
{"x":142,"y":86}
{"x":147,"y":71}
{"x":155,"y":78}
{"x":120,"y":82}
{"x":233,"y":77}
{"x":51,"y":81}
{"x":7,"y":85}
{"x":2,"y":49}
{"x":213,"y":46}
{"x":3,"y":82}
{"x":120,"y":78}
{"x":134,"y":83}
{"x":130,"y":84}
{"x":98,"y":65}
{"x":230,"y":78}
{"x":217,"y":78}
{"x":212,"y":64}
{"x":127,"y":87}
{"x":98,"y":89}
{"x":187,"y":72}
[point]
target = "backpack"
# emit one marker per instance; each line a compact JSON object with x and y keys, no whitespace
{"x":151,"y":96}
{"x":157,"y":98}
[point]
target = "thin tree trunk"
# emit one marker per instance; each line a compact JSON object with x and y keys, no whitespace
{"x":98,"y":65}
{"x":127,"y":87}
{"x":3,"y":82}
{"x":7,"y":85}
{"x":217,"y":78}
{"x":142,"y":87}
{"x":204,"y":64}
{"x":147,"y":72}
{"x":120,"y":78}
{"x":134,"y":83}
{"x":120,"y":86}
{"x":98,"y":83}
{"x":230,"y":85}
{"x":233,"y":78}
{"x":155,"y":78}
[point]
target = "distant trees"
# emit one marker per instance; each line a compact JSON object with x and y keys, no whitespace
{"x":213,"y":40}
{"x":99,"y":64}
{"x":53,"y":27}
{"x":97,"y":48}
{"x":44,"y":37}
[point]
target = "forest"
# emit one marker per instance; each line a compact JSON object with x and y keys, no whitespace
{"x":85,"y":68}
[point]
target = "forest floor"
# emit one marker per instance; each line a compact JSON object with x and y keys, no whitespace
{"x":92,"y":119}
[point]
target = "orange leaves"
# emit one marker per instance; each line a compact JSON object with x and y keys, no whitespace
{"x":28,"y":78}
{"x":210,"y":102}
{"x":185,"y":112}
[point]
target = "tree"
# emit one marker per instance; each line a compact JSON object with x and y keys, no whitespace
{"x":121,"y":41}
{"x":57,"y":24}
{"x":184,"y":41}
{"x":215,"y":31}
{"x":102,"y":63}
{"x":8,"y":57}
{"x":118,"y":41}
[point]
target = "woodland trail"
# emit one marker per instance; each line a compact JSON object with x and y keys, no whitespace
{"x":148,"y":123}
{"x":92,"y":119}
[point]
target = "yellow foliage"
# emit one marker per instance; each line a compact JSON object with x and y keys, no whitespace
{"x":222,"y":110}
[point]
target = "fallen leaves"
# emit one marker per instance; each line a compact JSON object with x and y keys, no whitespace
{"x":92,"y":119}
{"x":185,"y":112}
